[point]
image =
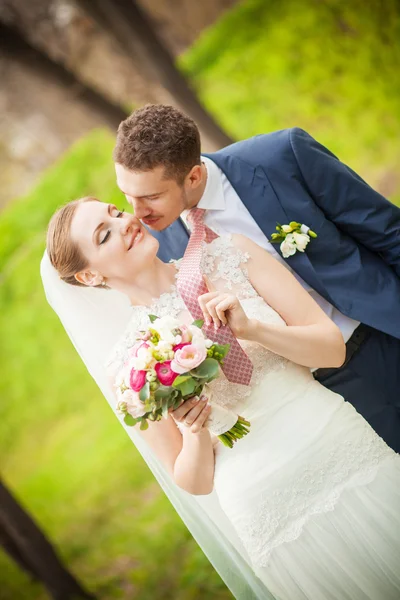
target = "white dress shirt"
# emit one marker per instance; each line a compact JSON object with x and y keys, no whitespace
{"x":227,"y":214}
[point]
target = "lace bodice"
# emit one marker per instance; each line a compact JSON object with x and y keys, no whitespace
{"x":225,"y":265}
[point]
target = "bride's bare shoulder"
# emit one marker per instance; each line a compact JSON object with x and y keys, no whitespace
{"x":241,"y":241}
{"x":246,"y":245}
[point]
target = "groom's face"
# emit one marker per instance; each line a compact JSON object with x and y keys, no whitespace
{"x":156,"y":200}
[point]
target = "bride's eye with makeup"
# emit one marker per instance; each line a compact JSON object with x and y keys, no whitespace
{"x":108,"y":233}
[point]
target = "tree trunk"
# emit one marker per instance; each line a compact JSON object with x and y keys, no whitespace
{"x":137,"y":37}
{"x":13,"y":43}
{"x":26,"y":544}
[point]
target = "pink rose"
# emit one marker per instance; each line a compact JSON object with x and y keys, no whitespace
{"x":188,"y":358}
{"x":165,"y":374}
{"x":137,"y":379}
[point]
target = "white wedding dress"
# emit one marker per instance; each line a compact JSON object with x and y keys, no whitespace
{"x":313,"y":492}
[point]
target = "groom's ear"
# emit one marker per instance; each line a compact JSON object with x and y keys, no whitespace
{"x":194,"y":177}
{"x":89,"y":278}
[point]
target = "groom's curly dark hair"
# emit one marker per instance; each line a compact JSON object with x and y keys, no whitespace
{"x":156,"y":135}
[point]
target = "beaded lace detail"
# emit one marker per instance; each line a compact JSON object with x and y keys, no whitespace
{"x":226,"y":267}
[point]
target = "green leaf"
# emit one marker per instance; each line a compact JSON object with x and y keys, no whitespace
{"x":153,"y":318}
{"x":163,"y":392}
{"x":187,"y":386}
{"x":181,"y":379}
{"x":144,"y":424}
{"x":144,"y":392}
{"x":208,"y":368}
{"x":198,"y":323}
{"x":129,"y":420}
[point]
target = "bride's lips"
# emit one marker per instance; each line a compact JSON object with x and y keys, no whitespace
{"x":137,"y":236}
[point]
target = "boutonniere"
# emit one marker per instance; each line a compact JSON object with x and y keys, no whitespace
{"x":292,"y":237}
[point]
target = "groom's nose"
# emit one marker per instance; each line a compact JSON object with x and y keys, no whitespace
{"x":140,"y":208}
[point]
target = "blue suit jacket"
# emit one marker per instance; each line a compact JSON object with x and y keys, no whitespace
{"x":288,"y":176}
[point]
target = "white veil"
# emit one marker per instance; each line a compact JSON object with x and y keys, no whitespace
{"x":94,"y":320}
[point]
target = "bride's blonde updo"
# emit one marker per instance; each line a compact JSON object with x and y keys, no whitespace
{"x":65,"y":256}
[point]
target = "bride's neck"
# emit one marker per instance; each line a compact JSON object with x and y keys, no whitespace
{"x":155,"y":280}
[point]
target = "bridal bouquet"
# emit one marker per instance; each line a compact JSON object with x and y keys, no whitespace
{"x":168,"y":364}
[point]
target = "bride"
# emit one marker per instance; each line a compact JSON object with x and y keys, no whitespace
{"x":312,"y":492}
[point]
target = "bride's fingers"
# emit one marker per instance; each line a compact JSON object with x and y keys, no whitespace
{"x":203,"y":301}
{"x":194,"y":413}
{"x":222,"y":307}
{"x":201,"y":419}
{"x":211,"y":308}
{"x":180,"y":413}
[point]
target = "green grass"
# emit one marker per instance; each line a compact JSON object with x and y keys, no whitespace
{"x":86,"y":171}
{"x":329,"y":67}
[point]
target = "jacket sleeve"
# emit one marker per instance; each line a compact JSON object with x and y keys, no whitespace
{"x":347,"y":200}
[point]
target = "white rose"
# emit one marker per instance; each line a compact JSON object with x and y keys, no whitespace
{"x":145,"y":354}
{"x":288,"y":246}
{"x":197,"y":334}
{"x":139,"y":364}
{"x":301,"y":240}
{"x":143,"y":361}
{"x":164,"y":346}
{"x":164,"y":326}
{"x":166,"y":334}
{"x":167,"y":321}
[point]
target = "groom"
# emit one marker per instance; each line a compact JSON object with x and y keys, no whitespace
{"x":352,"y":268}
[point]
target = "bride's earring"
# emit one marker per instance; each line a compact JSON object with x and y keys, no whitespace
{"x":103,"y":283}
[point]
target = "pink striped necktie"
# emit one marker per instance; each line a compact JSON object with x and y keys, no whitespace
{"x":237,"y":365}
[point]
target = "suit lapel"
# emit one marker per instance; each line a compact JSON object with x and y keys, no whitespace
{"x":257,"y":194}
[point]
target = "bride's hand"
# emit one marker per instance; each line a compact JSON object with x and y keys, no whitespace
{"x":224,"y":309}
{"x":193,"y":413}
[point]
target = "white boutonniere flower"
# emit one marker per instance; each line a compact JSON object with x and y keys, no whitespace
{"x":292,"y":238}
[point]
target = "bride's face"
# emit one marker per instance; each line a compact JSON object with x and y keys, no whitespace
{"x":116,"y":245}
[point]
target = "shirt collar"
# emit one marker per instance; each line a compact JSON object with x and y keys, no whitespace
{"x":213,"y":195}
